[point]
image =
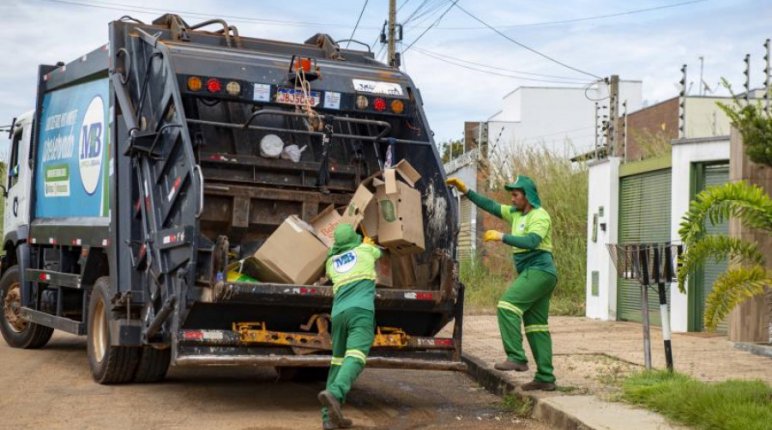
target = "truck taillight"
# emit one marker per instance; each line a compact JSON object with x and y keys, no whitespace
{"x":397,"y":106}
{"x":233,"y":88}
{"x":362,"y":102}
{"x":194,"y":83}
{"x":213,"y":85}
{"x":379,"y":104}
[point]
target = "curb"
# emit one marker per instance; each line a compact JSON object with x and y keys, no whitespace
{"x":543,"y":410}
{"x":764,"y":350}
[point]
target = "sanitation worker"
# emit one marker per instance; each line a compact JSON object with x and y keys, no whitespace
{"x":351,"y":267}
{"x":527,"y":299}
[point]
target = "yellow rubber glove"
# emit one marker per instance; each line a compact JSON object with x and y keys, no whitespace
{"x":458,"y":183}
{"x":368,"y":241}
{"x":493,"y":236}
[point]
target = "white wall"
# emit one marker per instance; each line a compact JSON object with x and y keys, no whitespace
{"x":685,"y":153}
{"x":560,"y":118}
{"x":604,"y":191}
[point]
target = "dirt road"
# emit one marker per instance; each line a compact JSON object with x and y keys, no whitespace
{"x":52,"y":388}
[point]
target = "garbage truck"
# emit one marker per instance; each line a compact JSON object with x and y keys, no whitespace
{"x":142,"y":176}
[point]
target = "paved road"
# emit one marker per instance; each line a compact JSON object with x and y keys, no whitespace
{"x":52,"y":388}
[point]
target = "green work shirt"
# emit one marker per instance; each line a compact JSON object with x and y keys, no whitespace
{"x":524,"y":228}
{"x":353,"y":278}
{"x":536,"y":221}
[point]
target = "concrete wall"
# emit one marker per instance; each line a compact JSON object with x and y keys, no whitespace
{"x":604,"y":186}
{"x":685,"y":153}
{"x":704,"y":118}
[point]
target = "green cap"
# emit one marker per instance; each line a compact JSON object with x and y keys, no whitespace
{"x":529,"y":188}
{"x":346,"y":239}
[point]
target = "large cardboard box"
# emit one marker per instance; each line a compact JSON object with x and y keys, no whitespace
{"x":356,"y":210}
{"x":293,"y":254}
{"x":325,"y":223}
{"x":400,"y":218}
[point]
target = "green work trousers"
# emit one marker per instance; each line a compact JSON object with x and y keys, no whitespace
{"x":353,"y":331}
{"x":528,"y":300}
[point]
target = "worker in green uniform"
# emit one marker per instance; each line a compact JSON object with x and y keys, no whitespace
{"x":351,"y":267}
{"x":528,"y":298}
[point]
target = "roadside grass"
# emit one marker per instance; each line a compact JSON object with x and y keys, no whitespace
{"x":563,"y":192}
{"x":732,"y":404}
{"x":521,"y":406}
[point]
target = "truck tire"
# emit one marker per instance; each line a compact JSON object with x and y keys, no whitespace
{"x":109,"y":364}
{"x":16,"y":331}
{"x":153,"y":364}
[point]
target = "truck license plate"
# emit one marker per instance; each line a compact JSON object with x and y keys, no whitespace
{"x":291,"y":96}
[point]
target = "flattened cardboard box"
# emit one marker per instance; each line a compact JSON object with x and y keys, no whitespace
{"x":356,"y":210}
{"x":325,"y":223}
{"x":291,"y":255}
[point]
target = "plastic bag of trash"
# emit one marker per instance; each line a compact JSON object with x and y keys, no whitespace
{"x":271,"y":146}
{"x":292,"y":152}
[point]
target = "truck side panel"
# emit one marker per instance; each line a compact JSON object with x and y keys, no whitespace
{"x":72,"y":158}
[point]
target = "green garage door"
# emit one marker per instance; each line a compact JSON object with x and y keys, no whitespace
{"x":707,"y":175}
{"x":644,"y":217}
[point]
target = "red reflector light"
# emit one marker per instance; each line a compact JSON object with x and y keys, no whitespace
{"x":193,"y":335}
{"x":424,"y":296}
{"x":213,"y":85}
{"x":443,"y":341}
{"x":379,"y":104}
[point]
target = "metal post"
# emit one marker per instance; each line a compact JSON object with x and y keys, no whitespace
{"x":597,"y":109}
{"x":644,"y":268}
{"x":613,"y":113}
{"x":663,"y":313}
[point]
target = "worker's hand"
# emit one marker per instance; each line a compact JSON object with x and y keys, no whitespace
{"x":493,"y":236}
{"x":458,"y":183}
{"x":368,"y":241}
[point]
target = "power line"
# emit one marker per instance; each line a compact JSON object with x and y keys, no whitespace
{"x":490,"y":72}
{"x":430,"y":27}
{"x":357,"y":24}
{"x":587,"y":18}
{"x":498,"y":67}
{"x":523,"y":45}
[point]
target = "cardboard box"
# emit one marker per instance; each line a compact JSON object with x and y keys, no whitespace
{"x":355,"y":212}
{"x":325,"y":223}
{"x":400,"y":217}
{"x":293,"y":254}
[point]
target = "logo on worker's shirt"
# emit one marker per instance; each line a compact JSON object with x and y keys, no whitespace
{"x":522,"y":226}
{"x":344,"y":262}
{"x":92,"y":141}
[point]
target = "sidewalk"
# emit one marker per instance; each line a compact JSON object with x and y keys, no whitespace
{"x":590,"y":356}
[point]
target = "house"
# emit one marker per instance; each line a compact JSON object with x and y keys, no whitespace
{"x":640,"y":193}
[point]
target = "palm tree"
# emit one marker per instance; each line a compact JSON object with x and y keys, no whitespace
{"x":747,"y":275}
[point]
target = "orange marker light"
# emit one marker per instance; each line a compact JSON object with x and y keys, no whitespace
{"x":397,"y":106}
{"x":194,"y":83}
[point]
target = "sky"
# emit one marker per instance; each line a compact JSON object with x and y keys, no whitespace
{"x":462,"y":67}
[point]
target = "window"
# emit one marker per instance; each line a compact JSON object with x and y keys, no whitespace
{"x":13,"y":163}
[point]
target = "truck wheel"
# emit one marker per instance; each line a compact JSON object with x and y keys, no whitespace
{"x":109,"y":364}
{"x":18,"y":332}
{"x":153,"y":364}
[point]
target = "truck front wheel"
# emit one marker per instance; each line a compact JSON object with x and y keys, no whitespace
{"x":18,"y":332}
{"x":109,"y":364}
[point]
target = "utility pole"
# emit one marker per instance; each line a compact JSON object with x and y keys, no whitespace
{"x":392,"y":52}
{"x":767,"y":74}
{"x":702,"y":82}
{"x":613,"y":113}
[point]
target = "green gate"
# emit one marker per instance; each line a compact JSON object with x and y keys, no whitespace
{"x":706,"y":175}
{"x":644,"y":217}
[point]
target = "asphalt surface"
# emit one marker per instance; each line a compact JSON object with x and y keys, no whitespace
{"x":52,"y":388}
